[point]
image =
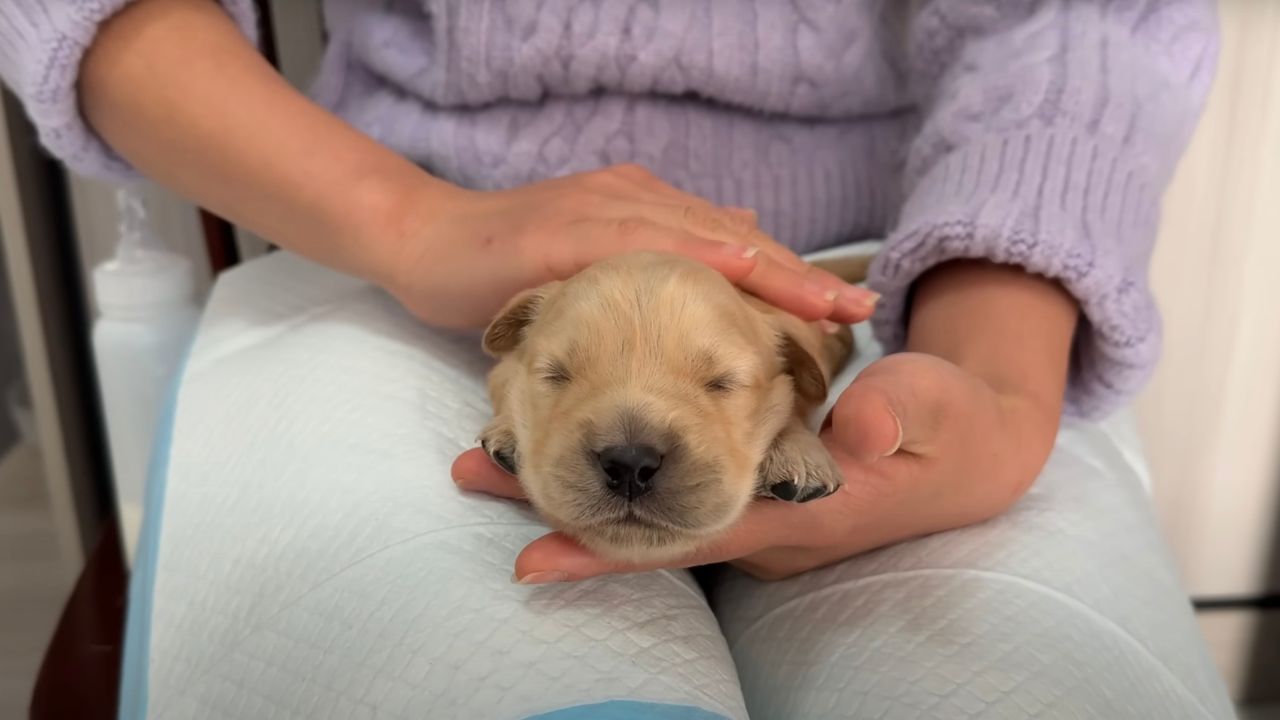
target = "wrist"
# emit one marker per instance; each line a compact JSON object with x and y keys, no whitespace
{"x":1008,"y":328}
{"x":394,"y":218}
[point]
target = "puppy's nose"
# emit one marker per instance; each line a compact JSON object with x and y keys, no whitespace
{"x":629,"y":469}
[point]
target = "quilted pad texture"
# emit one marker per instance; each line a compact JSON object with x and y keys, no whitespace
{"x":313,"y":560}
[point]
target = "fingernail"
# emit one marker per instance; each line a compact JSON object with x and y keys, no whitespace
{"x":738,"y":251}
{"x":897,"y":444}
{"x":542,"y":577}
{"x":829,"y":327}
{"x":859,"y":296}
{"x":856,"y":299}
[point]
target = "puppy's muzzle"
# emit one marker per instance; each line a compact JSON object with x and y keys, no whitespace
{"x":630,"y":471}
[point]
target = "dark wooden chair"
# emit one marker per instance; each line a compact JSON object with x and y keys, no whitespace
{"x":80,"y":675}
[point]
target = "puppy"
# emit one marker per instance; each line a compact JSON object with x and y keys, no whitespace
{"x":645,"y":401}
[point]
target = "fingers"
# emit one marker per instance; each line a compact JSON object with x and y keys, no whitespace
{"x":475,"y":472}
{"x":810,"y":294}
{"x":805,"y":295}
{"x":738,"y":226}
{"x":556,"y":557}
{"x":853,"y":304}
{"x":645,"y":213}
{"x":596,"y":241}
{"x":679,"y":209}
{"x":782,"y":277}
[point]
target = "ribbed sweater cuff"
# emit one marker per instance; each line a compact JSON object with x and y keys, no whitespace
{"x":1058,"y":204}
{"x":42,"y":44}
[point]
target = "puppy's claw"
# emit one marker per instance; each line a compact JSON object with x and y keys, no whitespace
{"x":813,"y":493}
{"x":499,"y":445}
{"x":798,"y":468}
{"x":785,"y":490}
{"x":504,"y":461}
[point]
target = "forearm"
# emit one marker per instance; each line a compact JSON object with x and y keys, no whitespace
{"x":176,"y":90}
{"x":1009,"y":328}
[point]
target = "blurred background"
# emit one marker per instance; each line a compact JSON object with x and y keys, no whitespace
{"x":1210,"y":420}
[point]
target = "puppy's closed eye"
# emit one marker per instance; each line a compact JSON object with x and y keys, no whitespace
{"x":723,"y":384}
{"x":554,"y":372}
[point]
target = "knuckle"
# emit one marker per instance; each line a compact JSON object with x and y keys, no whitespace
{"x":697,"y":217}
{"x":600,"y":180}
{"x":557,"y":259}
{"x":711,"y":219}
{"x":565,"y":208}
{"x":630,"y":228}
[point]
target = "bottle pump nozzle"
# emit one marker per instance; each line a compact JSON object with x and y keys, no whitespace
{"x":135,"y":235}
{"x":143,"y":275}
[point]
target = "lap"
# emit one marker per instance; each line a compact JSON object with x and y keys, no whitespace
{"x":312,"y":555}
{"x":1066,"y":606}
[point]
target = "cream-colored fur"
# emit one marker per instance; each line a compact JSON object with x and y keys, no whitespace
{"x":660,"y":351}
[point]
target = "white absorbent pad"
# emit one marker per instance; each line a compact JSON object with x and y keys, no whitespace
{"x":305,"y":555}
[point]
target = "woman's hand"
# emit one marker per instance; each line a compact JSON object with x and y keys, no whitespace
{"x":174,"y":87}
{"x":469,"y":254}
{"x":945,"y":436}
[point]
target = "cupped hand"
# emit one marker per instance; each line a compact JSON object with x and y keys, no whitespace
{"x":459,"y":262}
{"x":924,"y":446}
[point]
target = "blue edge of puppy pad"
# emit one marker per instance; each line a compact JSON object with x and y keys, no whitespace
{"x":629,"y":710}
{"x":142,"y":582}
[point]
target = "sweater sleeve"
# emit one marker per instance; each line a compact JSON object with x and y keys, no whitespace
{"x":1049,"y":130}
{"x":41,"y":45}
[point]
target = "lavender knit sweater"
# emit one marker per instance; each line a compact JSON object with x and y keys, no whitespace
{"x":1034,"y":132}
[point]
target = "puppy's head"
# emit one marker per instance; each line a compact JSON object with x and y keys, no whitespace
{"x":643,"y":393}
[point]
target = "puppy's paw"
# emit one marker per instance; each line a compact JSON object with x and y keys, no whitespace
{"x":499,"y":443}
{"x":798,"y":468}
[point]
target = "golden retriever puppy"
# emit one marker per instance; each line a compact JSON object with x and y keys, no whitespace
{"x":645,"y":401}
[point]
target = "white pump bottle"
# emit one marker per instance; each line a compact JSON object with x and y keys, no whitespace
{"x":147,"y":317}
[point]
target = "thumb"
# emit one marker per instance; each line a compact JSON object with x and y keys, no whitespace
{"x":889,"y":408}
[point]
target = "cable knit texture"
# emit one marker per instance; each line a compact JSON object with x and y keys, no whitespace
{"x":1034,"y":132}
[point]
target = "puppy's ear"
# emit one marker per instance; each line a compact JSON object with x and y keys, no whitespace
{"x":506,"y":331}
{"x":803,"y":367}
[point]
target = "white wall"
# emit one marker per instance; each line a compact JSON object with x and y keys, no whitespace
{"x":1211,"y":417}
